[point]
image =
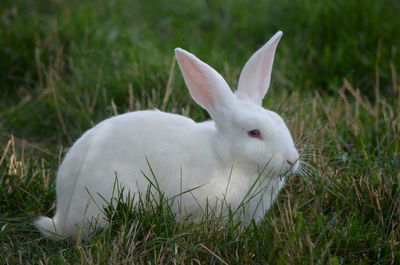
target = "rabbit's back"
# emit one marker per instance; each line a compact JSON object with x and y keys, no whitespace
{"x":121,"y":150}
{"x":123,"y":147}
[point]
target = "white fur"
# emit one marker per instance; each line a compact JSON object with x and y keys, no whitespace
{"x":217,"y":156}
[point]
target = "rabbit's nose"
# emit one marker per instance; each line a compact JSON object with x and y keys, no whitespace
{"x":293,"y":161}
{"x":290,"y":162}
{"x":293,"y":165}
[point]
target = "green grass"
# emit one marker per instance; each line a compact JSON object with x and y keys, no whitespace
{"x":66,"y":65}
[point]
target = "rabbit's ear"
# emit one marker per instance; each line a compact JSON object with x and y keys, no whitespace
{"x":206,"y":86}
{"x":256,"y":74}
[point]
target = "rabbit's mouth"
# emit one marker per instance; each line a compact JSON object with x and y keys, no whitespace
{"x":294,"y":166}
{"x":290,"y":167}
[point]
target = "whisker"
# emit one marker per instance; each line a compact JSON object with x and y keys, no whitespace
{"x":306,"y":169}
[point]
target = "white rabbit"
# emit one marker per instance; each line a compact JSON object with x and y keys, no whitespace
{"x":244,"y":143}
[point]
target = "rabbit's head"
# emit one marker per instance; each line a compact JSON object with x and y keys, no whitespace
{"x":246,"y":133}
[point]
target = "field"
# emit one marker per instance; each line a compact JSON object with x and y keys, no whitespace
{"x":66,"y":65}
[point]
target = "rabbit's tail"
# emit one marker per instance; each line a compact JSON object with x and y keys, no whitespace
{"x":48,"y":227}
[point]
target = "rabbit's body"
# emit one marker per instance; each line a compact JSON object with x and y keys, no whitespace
{"x":243,"y":153}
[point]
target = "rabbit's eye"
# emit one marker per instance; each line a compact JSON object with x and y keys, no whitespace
{"x":255,"y":133}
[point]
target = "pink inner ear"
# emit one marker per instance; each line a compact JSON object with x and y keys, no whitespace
{"x":196,"y":80}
